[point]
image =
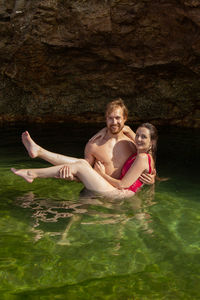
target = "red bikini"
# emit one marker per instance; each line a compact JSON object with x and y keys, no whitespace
{"x":137,"y":184}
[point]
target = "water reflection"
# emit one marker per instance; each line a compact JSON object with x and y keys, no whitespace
{"x":87,"y":210}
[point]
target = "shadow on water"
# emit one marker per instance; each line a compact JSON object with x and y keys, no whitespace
{"x":58,"y":242}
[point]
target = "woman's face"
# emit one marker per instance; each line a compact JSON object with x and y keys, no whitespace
{"x":143,"y":139}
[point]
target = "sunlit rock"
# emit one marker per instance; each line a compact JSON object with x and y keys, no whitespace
{"x":65,"y":59}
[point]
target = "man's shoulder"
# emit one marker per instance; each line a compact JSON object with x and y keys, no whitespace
{"x":91,"y":146}
{"x":90,"y":152}
{"x":126,"y":138}
{"x":99,"y":141}
{"x":128,"y":141}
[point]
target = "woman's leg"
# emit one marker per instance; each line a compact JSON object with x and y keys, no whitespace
{"x":81,"y":169}
{"x":35,"y":150}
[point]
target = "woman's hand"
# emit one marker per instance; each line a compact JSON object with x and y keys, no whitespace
{"x":129,"y":132}
{"x":99,"y":167}
{"x":100,"y":134}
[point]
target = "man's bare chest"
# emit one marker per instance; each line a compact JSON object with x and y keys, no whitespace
{"x":114,"y":153}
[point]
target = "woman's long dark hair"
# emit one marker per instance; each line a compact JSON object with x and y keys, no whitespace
{"x":154,"y":138}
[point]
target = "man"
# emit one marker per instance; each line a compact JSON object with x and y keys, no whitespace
{"x":113,"y":149}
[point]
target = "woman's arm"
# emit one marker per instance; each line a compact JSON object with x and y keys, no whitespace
{"x":129,"y":132}
{"x":99,"y":134}
{"x":140,"y":164}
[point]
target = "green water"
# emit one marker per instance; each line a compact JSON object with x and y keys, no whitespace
{"x":58,"y":244}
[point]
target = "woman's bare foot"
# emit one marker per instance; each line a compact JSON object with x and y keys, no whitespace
{"x":26,"y":174}
{"x":32,"y":148}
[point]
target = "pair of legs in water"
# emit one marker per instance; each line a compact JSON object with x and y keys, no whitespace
{"x":79,"y":168}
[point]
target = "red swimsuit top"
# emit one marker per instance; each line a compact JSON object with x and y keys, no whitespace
{"x":137,"y":184}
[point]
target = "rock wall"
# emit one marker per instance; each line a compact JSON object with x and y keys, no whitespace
{"x":65,"y":59}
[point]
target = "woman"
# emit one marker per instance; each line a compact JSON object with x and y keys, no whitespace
{"x":97,"y":180}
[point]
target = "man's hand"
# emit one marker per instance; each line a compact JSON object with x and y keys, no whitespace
{"x":66,"y":173}
{"x":148,"y":178}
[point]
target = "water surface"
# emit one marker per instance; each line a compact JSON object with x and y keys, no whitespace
{"x":57,"y":243}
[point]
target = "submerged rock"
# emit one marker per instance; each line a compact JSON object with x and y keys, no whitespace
{"x":65,"y":59}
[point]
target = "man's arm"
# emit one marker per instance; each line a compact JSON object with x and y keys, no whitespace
{"x":88,"y":153}
{"x":134,"y":172}
{"x":88,"y":156}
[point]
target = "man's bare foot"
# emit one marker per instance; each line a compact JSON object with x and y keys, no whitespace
{"x":24,"y":174}
{"x":30,"y":145}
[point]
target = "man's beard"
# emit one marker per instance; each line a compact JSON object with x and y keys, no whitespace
{"x":115,"y":129}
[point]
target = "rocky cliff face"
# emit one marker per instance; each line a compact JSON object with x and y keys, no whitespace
{"x":65,"y":59}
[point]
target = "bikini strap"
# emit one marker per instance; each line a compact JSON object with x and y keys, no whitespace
{"x":149,"y":160}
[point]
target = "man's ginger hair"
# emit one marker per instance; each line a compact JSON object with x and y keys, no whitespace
{"x":116,"y":104}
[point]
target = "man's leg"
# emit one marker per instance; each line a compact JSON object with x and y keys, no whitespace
{"x":35,"y":150}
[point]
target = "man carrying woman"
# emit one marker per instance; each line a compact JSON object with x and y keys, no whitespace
{"x":107,"y":153}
